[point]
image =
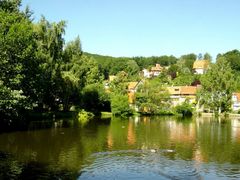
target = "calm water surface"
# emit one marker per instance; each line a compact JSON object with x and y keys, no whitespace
{"x":135,"y":148}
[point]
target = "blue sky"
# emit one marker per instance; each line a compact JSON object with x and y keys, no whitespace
{"x":146,"y":27}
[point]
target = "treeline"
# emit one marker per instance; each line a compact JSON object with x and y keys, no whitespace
{"x":131,"y":65}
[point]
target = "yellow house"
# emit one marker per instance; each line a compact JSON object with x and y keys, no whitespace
{"x":179,"y":94}
{"x":132,"y":89}
{"x":200,"y":66}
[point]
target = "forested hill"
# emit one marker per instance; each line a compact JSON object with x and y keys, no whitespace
{"x":132,"y":65}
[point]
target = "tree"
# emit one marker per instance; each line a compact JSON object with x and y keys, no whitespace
{"x":152,"y":97}
{"x":208,"y":57}
{"x":218,"y":85}
{"x":187,"y":61}
{"x":49,"y":52}
{"x":19,"y":67}
{"x":69,"y":88}
{"x":233,"y":57}
{"x":10,"y":6}
{"x":119,"y":105}
{"x":131,"y":68}
{"x":95,"y":99}
{"x":184,"y":79}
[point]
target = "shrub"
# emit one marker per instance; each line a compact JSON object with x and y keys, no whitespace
{"x":84,"y":117}
{"x":185,"y":109}
{"x":120,"y":106}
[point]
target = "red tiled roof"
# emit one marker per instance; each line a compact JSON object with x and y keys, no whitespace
{"x":237,"y":95}
{"x":158,"y":67}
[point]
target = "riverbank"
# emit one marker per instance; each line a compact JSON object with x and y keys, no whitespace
{"x":230,"y":115}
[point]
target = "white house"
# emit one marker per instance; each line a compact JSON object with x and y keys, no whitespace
{"x":236,"y":101}
{"x":146,"y":73}
{"x":155,"y":71}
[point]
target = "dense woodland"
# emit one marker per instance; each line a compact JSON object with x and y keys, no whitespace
{"x":40,"y":72}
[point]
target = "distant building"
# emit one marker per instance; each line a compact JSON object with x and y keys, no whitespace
{"x":132,"y":89}
{"x":146,"y":73}
{"x":200,"y":66}
{"x":155,"y":71}
{"x":180,"y":94}
{"x":236,"y":101}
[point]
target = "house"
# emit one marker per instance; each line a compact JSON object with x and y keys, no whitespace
{"x":146,"y":73}
{"x":179,"y":94}
{"x":236,"y":101}
{"x":200,"y":66}
{"x":132,"y":89}
{"x":155,"y":71}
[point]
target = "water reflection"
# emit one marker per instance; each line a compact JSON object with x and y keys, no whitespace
{"x":194,"y":148}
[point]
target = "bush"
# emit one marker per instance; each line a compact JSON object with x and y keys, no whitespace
{"x":120,"y":106}
{"x":185,"y":109}
{"x":84,"y":117}
{"x":95,"y":99}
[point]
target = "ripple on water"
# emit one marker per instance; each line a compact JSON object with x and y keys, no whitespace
{"x":137,"y":164}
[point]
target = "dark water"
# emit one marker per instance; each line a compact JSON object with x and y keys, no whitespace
{"x":135,"y":148}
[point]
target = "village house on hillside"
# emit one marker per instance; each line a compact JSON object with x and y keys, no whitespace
{"x":179,"y":94}
{"x":236,"y":101}
{"x":155,"y":71}
{"x":132,"y":89}
{"x":200,"y":66}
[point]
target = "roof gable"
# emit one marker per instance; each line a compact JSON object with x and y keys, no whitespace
{"x":201,"y":64}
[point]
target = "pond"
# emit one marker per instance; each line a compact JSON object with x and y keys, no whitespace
{"x":134,"y":148}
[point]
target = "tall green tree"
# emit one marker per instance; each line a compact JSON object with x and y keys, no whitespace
{"x":233,"y":57}
{"x":218,"y":85}
{"x":50,"y":42}
{"x":186,"y":61}
{"x":207,"y":56}
{"x":152,"y":97}
{"x":19,"y":67}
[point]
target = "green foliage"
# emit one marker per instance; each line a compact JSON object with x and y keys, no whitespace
{"x":152,"y":97}
{"x":17,"y":61}
{"x":84,"y":117}
{"x":95,"y":99}
{"x":164,"y":77}
{"x":131,"y":65}
{"x":12,"y":106}
{"x":35,"y":66}
{"x":233,"y":58}
{"x":187,"y":61}
{"x":208,"y":57}
{"x":218,"y":85}
{"x":119,"y":105}
{"x":185,"y":109}
{"x":119,"y":84}
{"x":39,"y":72}
{"x":184,"y":79}
{"x":10,"y":5}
